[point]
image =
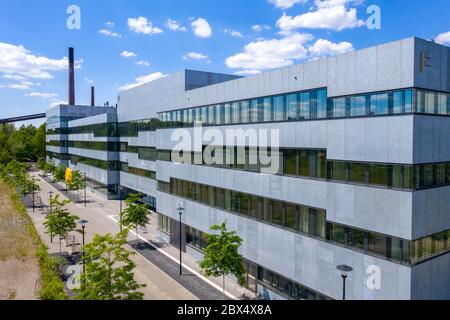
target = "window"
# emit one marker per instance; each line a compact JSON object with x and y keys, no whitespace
{"x":304,"y":163}
{"x":254,"y":206}
{"x":377,"y":244}
{"x":292,"y":106}
{"x":279,"y":109}
{"x":277,"y":212}
{"x":304,"y":105}
{"x":236,"y":112}
{"x":291,"y":217}
{"x":322,"y":104}
{"x":338,"y":108}
{"x":219,"y":114}
{"x":379,"y":175}
{"x":357,"y":173}
{"x":304,"y":220}
{"x":357,"y":238}
{"x":254,"y":111}
{"x":227,"y":113}
{"x":399,"y":106}
{"x":339,"y":171}
{"x":267,"y":107}
{"x":267,"y":210}
{"x":358,"y":106}
{"x":337,"y":233}
{"x":245,"y":111}
{"x":211,"y":115}
{"x":290,"y":162}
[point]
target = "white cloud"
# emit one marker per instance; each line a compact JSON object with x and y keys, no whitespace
{"x":248,"y":72}
{"x":233,"y":33}
{"x":13,"y":77}
{"x":324,"y":47}
{"x":272,"y":53}
{"x":201,"y":28}
{"x":143,"y":25}
{"x":194,"y":56}
{"x":16,"y":60}
{"x":142,"y":80}
{"x":56,"y":103}
{"x":334,"y":18}
{"x":443,"y":38}
{"x":42,"y":95}
{"x":109,"y":33}
{"x":143,"y":63}
{"x":260,"y":27}
{"x":109,"y":24}
{"x":128,"y":54}
{"x":175,"y":25}
{"x":332,"y":3}
{"x":286,"y":4}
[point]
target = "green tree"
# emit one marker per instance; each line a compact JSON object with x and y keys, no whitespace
{"x":48,"y":168}
{"x":59,"y":221}
{"x":78,"y":182}
{"x":108,"y":270}
{"x":136,"y":214}
{"x":222,"y":256}
{"x":59,"y":173}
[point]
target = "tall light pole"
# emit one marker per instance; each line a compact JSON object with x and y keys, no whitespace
{"x":180,"y":212}
{"x":85,"y":186}
{"x":121,"y":208}
{"x":50,"y":193}
{"x":33,"y":187}
{"x":345,"y":270}
{"x":83,"y":224}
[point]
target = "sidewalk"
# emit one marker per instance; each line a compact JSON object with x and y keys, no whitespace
{"x":157,"y":262}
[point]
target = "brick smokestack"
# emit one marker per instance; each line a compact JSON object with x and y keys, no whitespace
{"x":92,"y":97}
{"x":71,"y":77}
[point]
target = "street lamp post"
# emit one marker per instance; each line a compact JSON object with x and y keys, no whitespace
{"x":180,"y":212}
{"x":83,"y":224}
{"x":85,"y":186}
{"x":121,"y":208}
{"x":345,"y":270}
{"x":50,"y":193}
{"x":33,"y":187}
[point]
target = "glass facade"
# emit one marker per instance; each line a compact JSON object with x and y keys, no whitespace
{"x":310,"y":222}
{"x":311,"y":105}
{"x":313,"y":163}
{"x":137,"y":171}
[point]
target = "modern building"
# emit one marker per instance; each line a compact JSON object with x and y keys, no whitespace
{"x":363,"y":181}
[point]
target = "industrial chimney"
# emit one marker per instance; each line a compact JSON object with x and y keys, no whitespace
{"x":71,"y":77}
{"x":92,"y":97}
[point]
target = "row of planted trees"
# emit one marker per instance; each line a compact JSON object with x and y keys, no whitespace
{"x":58,"y":173}
{"x":108,"y":268}
{"x":108,"y":272}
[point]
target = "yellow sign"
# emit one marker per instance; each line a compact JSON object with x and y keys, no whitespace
{"x":68,"y":175}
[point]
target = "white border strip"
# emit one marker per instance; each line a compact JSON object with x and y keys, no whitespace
{"x":112,"y":217}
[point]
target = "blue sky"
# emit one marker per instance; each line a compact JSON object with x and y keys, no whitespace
{"x":123,"y":43}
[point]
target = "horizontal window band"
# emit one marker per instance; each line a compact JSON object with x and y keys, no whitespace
{"x":312,"y":222}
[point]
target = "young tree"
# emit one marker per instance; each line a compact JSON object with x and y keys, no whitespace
{"x":222,"y":256}
{"x":136,"y":214}
{"x":59,"y":174}
{"x":108,"y":270}
{"x":48,"y":168}
{"x":77,"y":183}
{"x":59,"y":221}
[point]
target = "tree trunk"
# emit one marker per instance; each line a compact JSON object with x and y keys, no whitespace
{"x":223,"y":279}
{"x":137,"y":234}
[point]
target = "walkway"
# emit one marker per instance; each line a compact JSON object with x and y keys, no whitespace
{"x":152,"y":256}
